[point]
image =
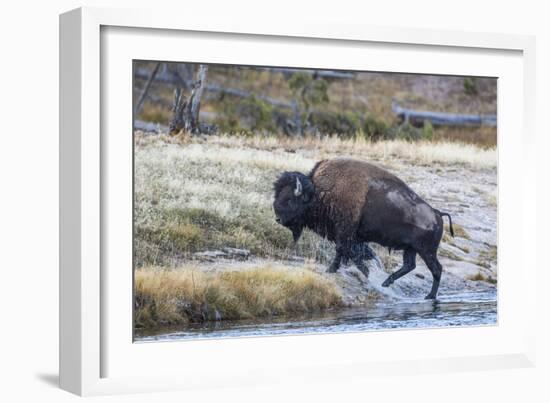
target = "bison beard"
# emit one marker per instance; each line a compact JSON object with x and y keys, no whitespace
{"x":296,"y":231}
{"x":352,"y":203}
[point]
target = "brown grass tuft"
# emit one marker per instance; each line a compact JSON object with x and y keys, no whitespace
{"x":487,"y":257}
{"x":187,"y":295}
{"x":481,"y":277}
{"x":459,"y":232}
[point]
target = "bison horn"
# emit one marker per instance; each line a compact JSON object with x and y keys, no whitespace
{"x":298,"y":190}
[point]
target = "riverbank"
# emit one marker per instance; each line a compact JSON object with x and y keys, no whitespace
{"x":229,"y":290}
{"x":466,"y":309}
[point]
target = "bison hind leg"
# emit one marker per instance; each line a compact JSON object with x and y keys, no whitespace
{"x":409,"y":263}
{"x":435,"y":267}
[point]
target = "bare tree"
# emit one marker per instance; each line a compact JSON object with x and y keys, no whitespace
{"x":192,"y":123}
{"x":146,"y":89}
{"x":185,"y":112}
{"x":177,"y":123}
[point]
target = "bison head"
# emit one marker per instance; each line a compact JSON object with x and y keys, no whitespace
{"x":293,"y":195}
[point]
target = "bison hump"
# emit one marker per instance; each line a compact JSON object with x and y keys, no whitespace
{"x":342,"y":185}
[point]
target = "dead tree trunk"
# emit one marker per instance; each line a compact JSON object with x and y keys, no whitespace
{"x":194,"y":105}
{"x":185,"y":112}
{"x":146,"y":89}
{"x":177,"y":123}
{"x":297,"y":118}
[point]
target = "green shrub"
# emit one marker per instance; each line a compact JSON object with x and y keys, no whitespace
{"x":254,"y":114}
{"x":341,"y":123}
{"x":311,"y":92}
{"x":227,"y":120}
{"x":299,"y":80}
{"x":427,"y":131}
{"x":470,"y":86}
{"x":406,"y":132}
{"x":376,"y":129}
{"x":245,"y":116}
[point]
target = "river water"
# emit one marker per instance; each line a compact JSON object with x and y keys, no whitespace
{"x":465,"y":309}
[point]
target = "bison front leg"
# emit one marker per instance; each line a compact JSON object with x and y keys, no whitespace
{"x":348,"y":250}
{"x":335,"y":265}
{"x":358,"y":260}
{"x":343,"y":251}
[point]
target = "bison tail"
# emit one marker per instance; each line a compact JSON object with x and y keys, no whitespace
{"x":450,"y":221}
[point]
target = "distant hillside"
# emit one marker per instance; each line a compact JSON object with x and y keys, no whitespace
{"x":254,"y":99}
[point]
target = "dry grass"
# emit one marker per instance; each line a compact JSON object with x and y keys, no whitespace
{"x":459,"y":232}
{"x":449,"y":255}
{"x":487,"y":257}
{"x":491,"y":198}
{"x":187,"y":295}
{"x":482,"y":277}
{"x":423,"y":152}
{"x":194,"y":194}
{"x":483,"y":136}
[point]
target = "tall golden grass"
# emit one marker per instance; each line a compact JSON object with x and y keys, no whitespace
{"x":424,"y":152}
{"x":188,"y":295}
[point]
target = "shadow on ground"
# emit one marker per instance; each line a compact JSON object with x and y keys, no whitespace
{"x":49,"y":379}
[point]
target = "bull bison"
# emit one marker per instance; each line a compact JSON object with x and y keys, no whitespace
{"x":352,"y":203}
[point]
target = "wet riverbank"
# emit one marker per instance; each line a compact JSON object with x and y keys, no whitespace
{"x":466,"y":309}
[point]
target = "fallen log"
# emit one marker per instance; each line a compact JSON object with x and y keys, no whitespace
{"x":168,"y":78}
{"x":157,"y":128}
{"x":150,"y":127}
{"x":417,"y":118}
{"x":326,"y":74}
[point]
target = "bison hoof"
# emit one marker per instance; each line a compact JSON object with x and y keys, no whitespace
{"x":429,"y":296}
{"x":332,"y":269}
{"x":365,"y":271}
{"x":388,"y":282}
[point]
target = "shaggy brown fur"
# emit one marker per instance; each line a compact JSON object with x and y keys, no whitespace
{"x":341,"y":187}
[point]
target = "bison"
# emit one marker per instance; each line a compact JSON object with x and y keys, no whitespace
{"x":352,"y":203}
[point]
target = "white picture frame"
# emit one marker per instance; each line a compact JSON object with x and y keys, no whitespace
{"x":92,"y":343}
